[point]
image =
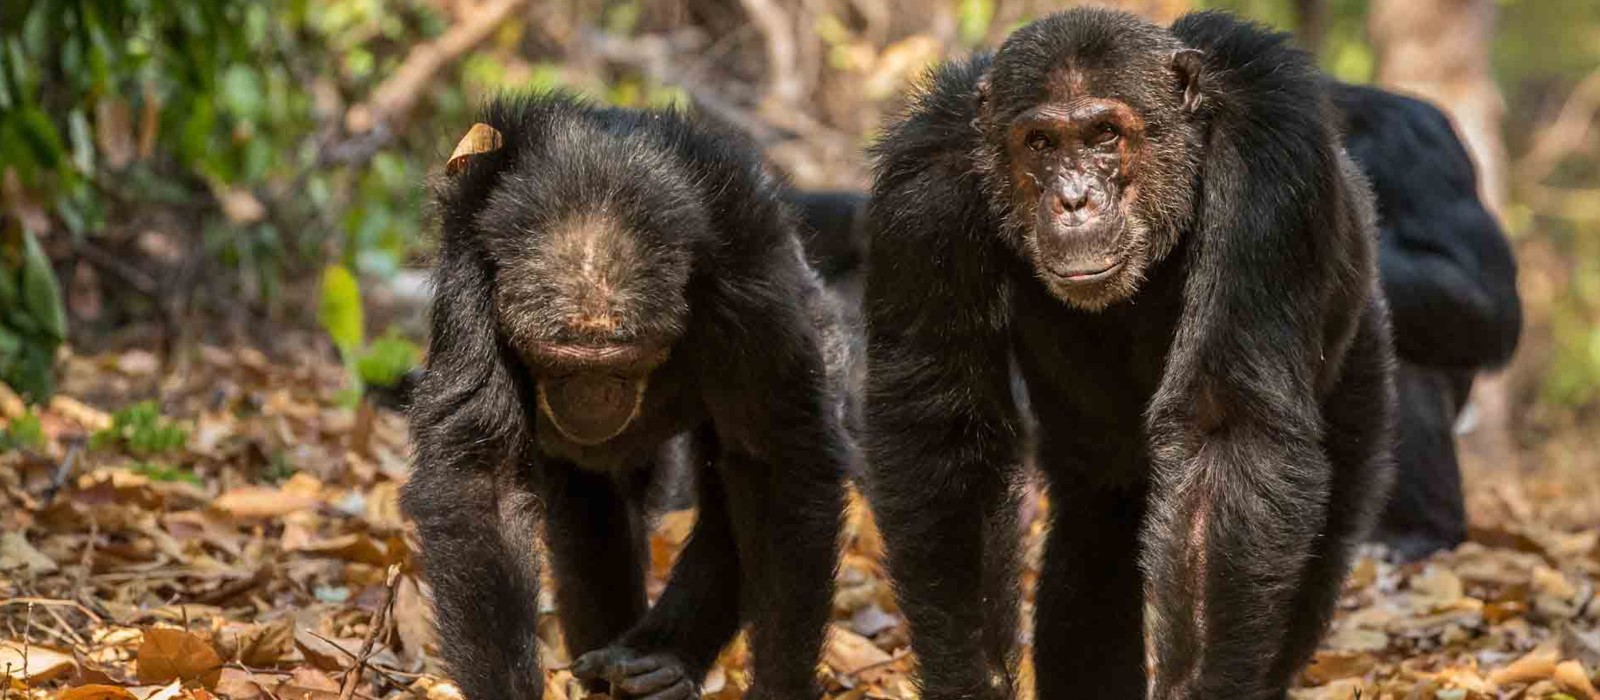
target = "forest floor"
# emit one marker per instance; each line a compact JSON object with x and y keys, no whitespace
{"x":241,"y":538}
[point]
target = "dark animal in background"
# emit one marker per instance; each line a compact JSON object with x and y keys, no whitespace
{"x":1446,"y":268}
{"x":1451,"y":281}
{"x":1158,"y":229}
{"x":608,"y":280}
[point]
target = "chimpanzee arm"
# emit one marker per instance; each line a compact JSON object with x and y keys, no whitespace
{"x":474,"y":512}
{"x":783,"y":460}
{"x":1280,"y":270}
{"x":1446,"y":265}
{"x":942,"y":431}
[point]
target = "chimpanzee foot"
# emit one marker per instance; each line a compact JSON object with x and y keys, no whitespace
{"x":656,"y":676}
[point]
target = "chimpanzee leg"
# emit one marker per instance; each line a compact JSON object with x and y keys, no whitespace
{"x":786,"y":520}
{"x":1002,"y":572}
{"x":1089,"y":607}
{"x":1426,"y":511}
{"x":1357,"y":442}
{"x":669,"y":651}
{"x":598,"y":548}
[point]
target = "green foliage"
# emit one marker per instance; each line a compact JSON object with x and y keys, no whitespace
{"x":387,"y":359}
{"x":973,"y":18}
{"x":23,"y":433}
{"x":340,"y":310}
{"x":32,"y":322}
{"x":141,"y":430}
{"x":157,"y":471}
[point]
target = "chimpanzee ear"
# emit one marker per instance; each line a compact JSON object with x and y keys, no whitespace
{"x":481,"y":138}
{"x":1189,"y":64}
{"x":981,"y":94}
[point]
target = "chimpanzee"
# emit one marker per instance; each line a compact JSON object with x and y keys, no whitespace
{"x":1445,"y":265}
{"x":1451,"y":281}
{"x":608,"y":280}
{"x":1159,"y":230}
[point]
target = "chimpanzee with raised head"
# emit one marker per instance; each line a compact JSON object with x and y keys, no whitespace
{"x":1446,"y":268}
{"x":1159,"y":230}
{"x":1451,"y":280}
{"x":607,"y":280}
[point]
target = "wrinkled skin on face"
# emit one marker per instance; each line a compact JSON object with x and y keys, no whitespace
{"x":1096,"y":184}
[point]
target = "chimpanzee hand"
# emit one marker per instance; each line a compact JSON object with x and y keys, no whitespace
{"x":646,"y":676}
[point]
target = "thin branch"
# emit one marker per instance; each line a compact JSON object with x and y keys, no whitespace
{"x":784,"y":86}
{"x":379,"y":619}
{"x":1566,"y":133}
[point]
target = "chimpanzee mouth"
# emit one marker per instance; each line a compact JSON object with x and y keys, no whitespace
{"x":1077,"y":276}
{"x":591,"y":408}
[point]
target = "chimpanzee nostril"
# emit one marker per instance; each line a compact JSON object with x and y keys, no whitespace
{"x":1071,"y":196}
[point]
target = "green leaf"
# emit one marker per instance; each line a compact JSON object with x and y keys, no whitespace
{"x":41,"y":296}
{"x":340,"y":310}
{"x":23,"y":433}
{"x":387,"y":360}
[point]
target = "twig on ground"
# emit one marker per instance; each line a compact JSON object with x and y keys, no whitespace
{"x":378,"y":621}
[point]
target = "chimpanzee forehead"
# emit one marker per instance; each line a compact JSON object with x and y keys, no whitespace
{"x":1082,"y":53}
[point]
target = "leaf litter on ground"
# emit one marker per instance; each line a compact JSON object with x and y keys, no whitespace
{"x":230,"y":533}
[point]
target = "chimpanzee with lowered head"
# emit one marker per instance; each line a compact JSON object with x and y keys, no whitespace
{"x":1159,"y":230}
{"x":607,"y":280}
{"x":1451,"y":280}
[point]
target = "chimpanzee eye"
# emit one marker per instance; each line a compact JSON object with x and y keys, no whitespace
{"x":1039,"y":141}
{"x":1105,"y":133}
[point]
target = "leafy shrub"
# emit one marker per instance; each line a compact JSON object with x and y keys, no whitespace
{"x":142,"y":431}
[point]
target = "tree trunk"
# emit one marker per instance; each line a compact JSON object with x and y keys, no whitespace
{"x":1311,"y":23}
{"x":1439,"y":50}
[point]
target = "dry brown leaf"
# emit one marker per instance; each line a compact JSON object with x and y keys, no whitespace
{"x":326,"y":654}
{"x":173,"y":654}
{"x":308,"y":684}
{"x":90,"y":418}
{"x":259,"y":502}
{"x":1537,"y":665}
{"x":1570,"y":675}
{"x":850,"y":654}
{"x":11,"y":405}
{"x":241,"y":206}
{"x":261,"y":645}
{"x":356,"y":547}
{"x":411,"y":619}
{"x":164,"y":692}
{"x":43,"y":663}
{"x":96,"y":692}
{"x":237,"y":684}
{"x":1329,"y":666}
{"x":481,"y":138}
{"x":17,"y":556}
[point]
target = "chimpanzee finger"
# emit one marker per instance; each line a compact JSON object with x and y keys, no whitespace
{"x":682,"y":690}
{"x":640,"y":665}
{"x":651,"y":682}
{"x":596,"y":664}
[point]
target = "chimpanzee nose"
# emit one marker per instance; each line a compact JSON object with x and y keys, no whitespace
{"x":1071,"y":195}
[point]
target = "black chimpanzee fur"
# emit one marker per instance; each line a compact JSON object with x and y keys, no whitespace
{"x":1183,"y":273}
{"x":1451,"y":280}
{"x":1447,"y":271}
{"x":609,"y":279}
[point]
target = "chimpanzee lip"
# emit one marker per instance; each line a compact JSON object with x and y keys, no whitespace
{"x":579,"y":356}
{"x":1086,"y":276}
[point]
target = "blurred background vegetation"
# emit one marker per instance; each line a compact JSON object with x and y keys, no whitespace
{"x":254,"y":172}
